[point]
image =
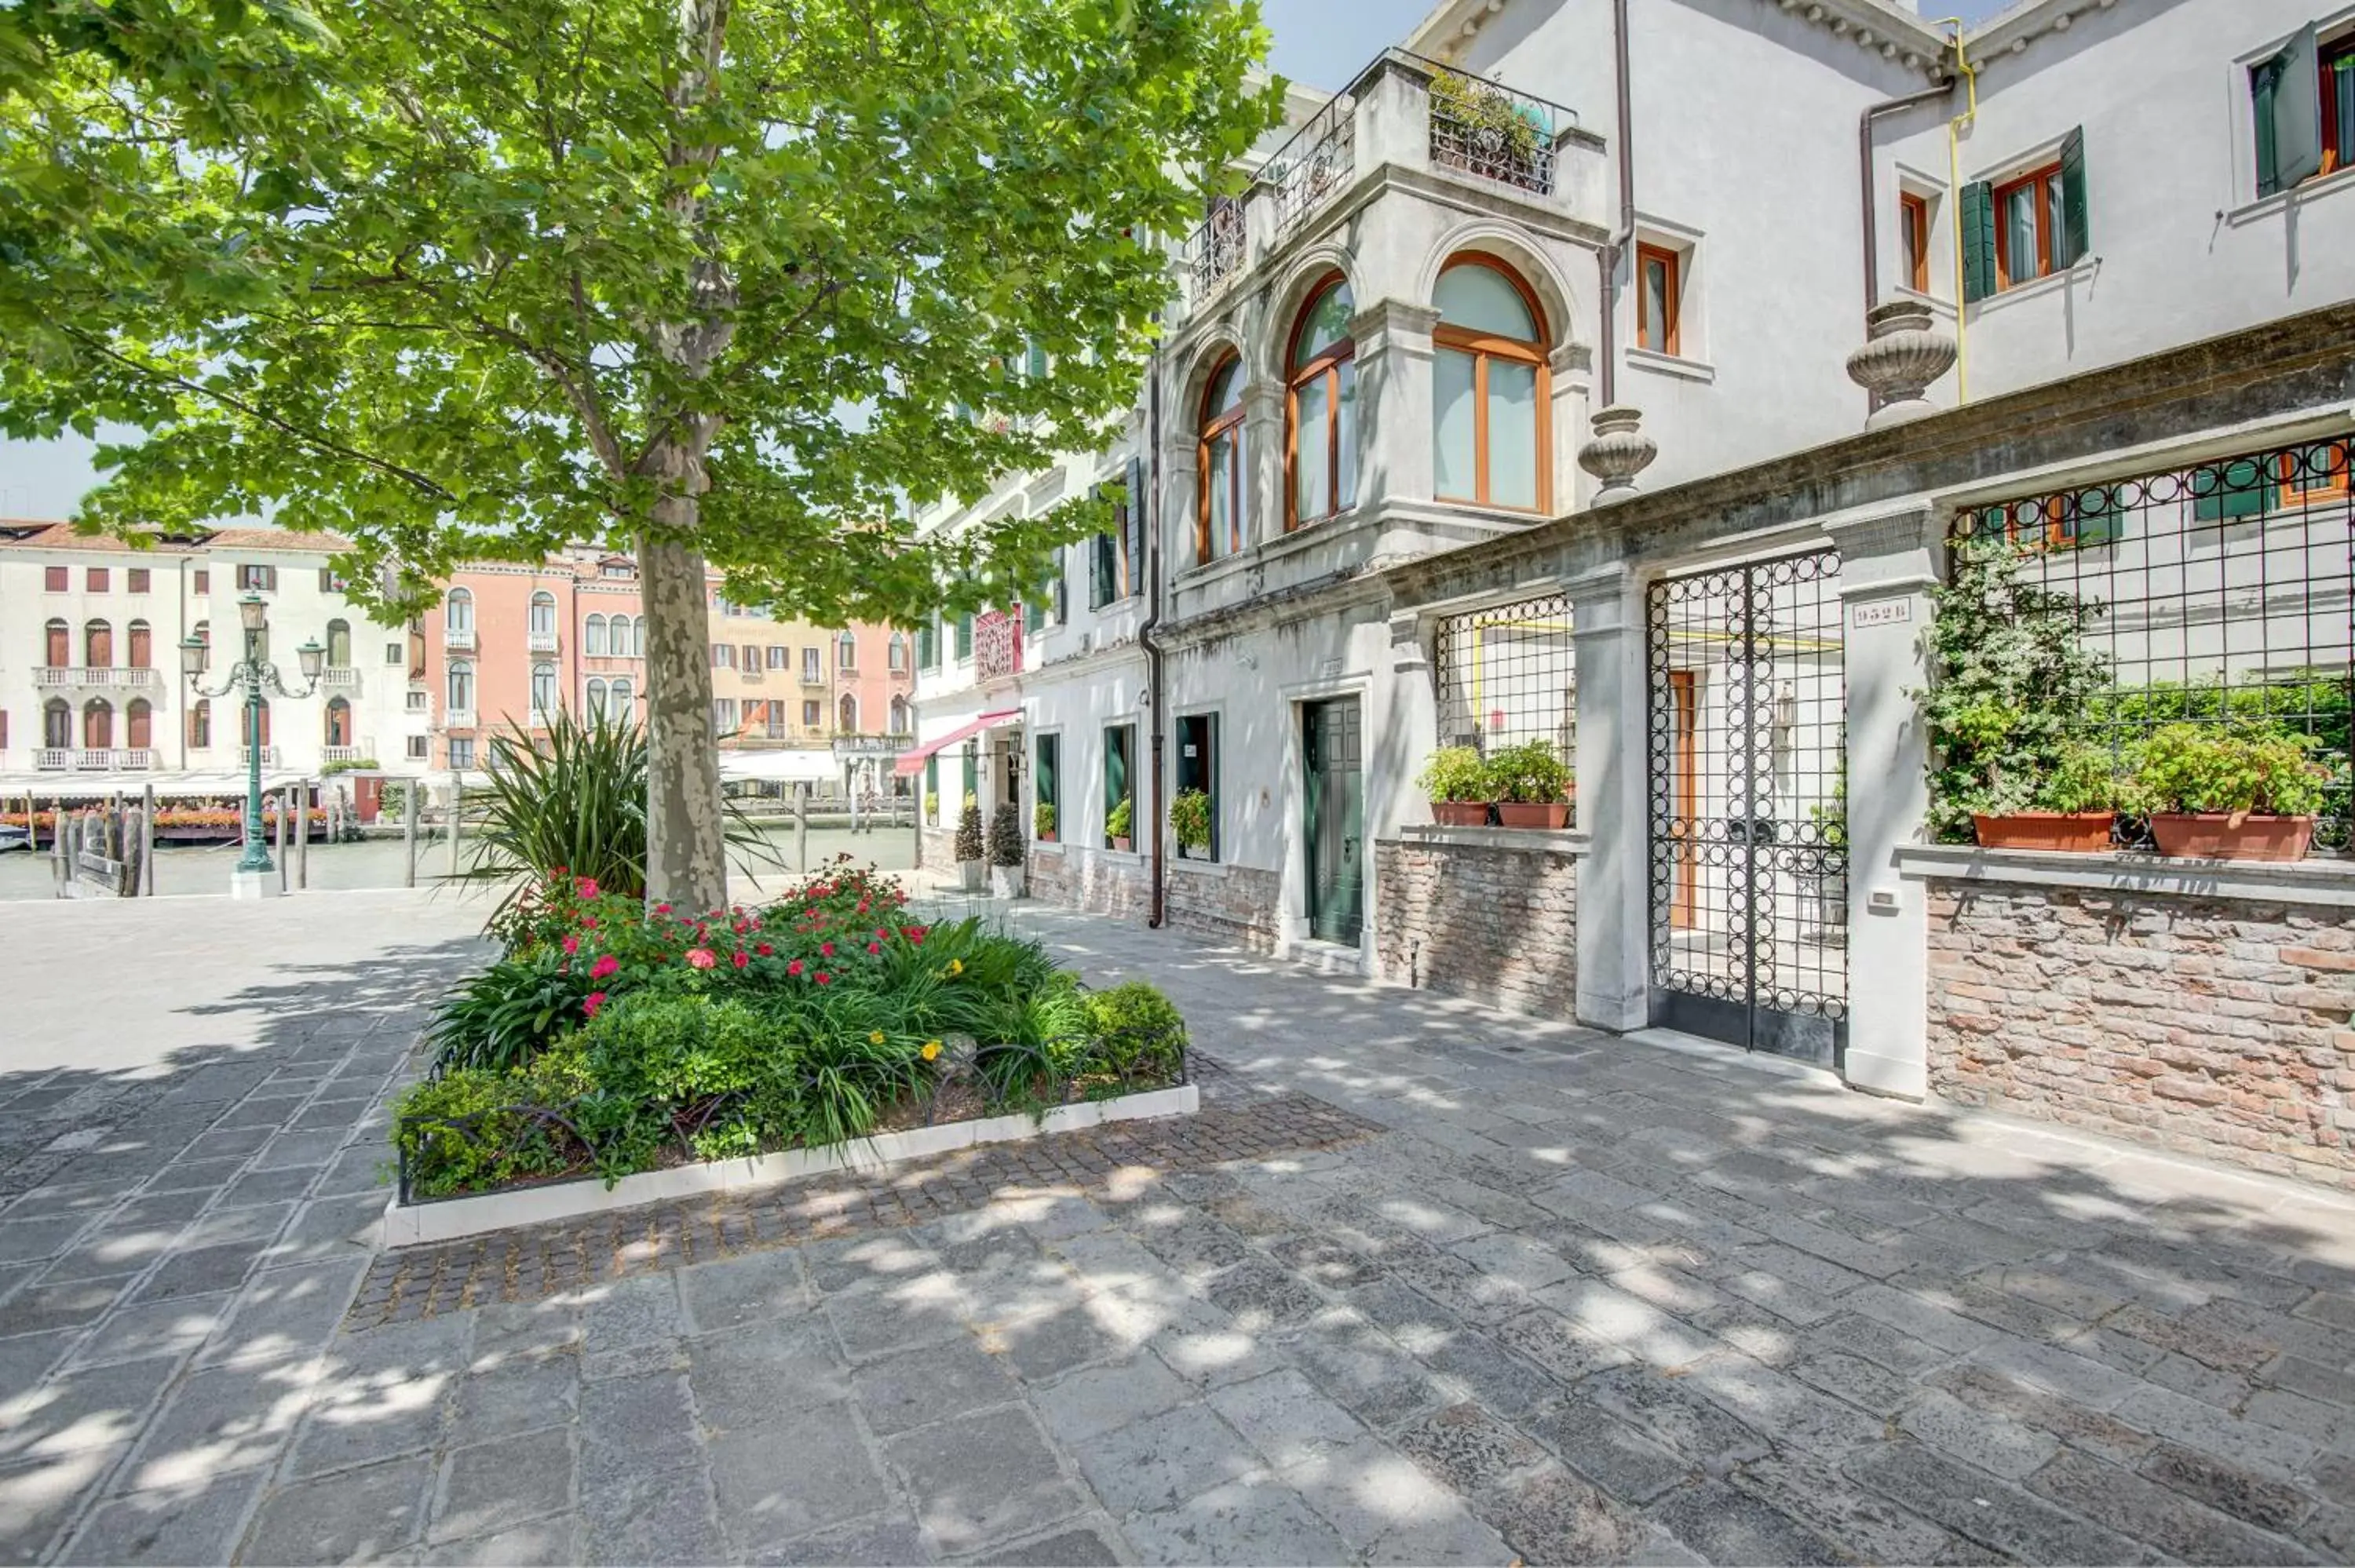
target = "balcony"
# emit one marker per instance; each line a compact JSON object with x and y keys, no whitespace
{"x":997,"y":646}
{"x":541,"y":642}
{"x":268,"y":757}
{"x":458,"y":639}
{"x":339,"y":675}
{"x":458,"y":718}
{"x":812,"y":678}
{"x":754,"y":674}
{"x":88,"y":760}
{"x":341,"y":753}
{"x":95,"y":675}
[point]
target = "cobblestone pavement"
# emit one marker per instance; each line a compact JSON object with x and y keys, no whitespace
{"x":1475,"y":1288}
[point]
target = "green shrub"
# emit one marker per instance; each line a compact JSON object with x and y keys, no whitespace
{"x":1454,"y":773}
{"x":2083,"y":779}
{"x":1135,"y":1032}
{"x":1528,"y":774}
{"x":507,"y":1014}
{"x":1042,"y":822}
{"x":968,"y":835}
{"x":1006,"y":845}
{"x":1116,"y":824}
{"x":471,"y":1130}
{"x":2267,"y":770}
{"x":1190,"y":819}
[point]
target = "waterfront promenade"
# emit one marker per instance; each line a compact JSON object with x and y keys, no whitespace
{"x":1428,"y":1284}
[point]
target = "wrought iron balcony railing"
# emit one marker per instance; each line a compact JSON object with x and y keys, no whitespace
{"x":1492,"y":133}
{"x":1320,"y":159}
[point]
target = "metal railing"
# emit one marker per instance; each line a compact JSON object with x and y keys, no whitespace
{"x":1492,"y":133}
{"x":1217,"y":250}
{"x":1315,"y":165}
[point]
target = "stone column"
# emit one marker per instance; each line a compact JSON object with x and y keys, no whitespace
{"x":1393,"y":343}
{"x":1263,"y":455}
{"x":1404,"y":731}
{"x":1566,"y":414}
{"x":1607,"y":611}
{"x":1888,"y":564}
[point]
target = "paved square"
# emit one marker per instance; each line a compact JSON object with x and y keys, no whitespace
{"x":1424,"y":1284}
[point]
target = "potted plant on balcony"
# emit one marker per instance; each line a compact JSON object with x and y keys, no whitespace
{"x":1482,"y":130}
{"x":2040,"y":789}
{"x":1116,"y":825}
{"x":1189,"y":823}
{"x":1006,"y":853}
{"x":1455,"y":780}
{"x":970,"y":863}
{"x":1532,"y":786}
{"x":1042,"y":822}
{"x":2229,"y":794}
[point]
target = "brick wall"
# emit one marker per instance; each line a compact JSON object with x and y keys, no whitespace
{"x":2211,"y":1027}
{"x":936,"y":849}
{"x":1241,"y":905}
{"x":1118,"y":885}
{"x":1498,"y":925}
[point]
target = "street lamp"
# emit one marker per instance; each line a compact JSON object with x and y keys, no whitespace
{"x":253,"y":672}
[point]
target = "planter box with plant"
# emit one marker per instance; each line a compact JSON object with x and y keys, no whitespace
{"x":638,"y":1047}
{"x":2226,"y":793}
{"x":1006,"y":853}
{"x":1189,"y":823}
{"x":1042,"y":822}
{"x":1532,"y":786}
{"x":1116,"y":825}
{"x":972,"y":865}
{"x":1456,"y":783}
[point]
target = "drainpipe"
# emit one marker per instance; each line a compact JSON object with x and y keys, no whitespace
{"x":1607,"y":261}
{"x":1868,"y":184}
{"x":1154,"y":722}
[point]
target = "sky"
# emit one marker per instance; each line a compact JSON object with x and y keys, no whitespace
{"x":1320,"y":42}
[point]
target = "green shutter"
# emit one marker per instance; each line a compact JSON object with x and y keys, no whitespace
{"x":971,"y":772}
{"x":1117,"y":773}
{"x":1047,"y":786}
{"x":1036,"y":363}
{"x":2243,"y":491}
{"x":928,"y":645}
{"x":1062,"y":584}
{"x":932,"y":775}
{"x":965,"y":635}
{"x":1978,"y":240}
{"x":2263,"y":81}
{"x":1134,"y":575}
{"x":2076,"y":226}
{"x":1034,"y":612}
{"x":1100,"y":571}
{"x":2296,"y":111}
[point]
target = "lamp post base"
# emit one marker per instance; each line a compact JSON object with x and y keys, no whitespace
{"x":255,"y":885}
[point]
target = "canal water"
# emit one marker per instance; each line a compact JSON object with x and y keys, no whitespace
{"x":184,"y":869}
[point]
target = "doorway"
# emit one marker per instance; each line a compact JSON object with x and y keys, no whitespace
{"x":1334,"y":805}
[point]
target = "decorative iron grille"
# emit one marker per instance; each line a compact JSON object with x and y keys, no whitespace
{"x":996,"y":646}
{"x":1492,"y":133}
{"x":1506,"y":675}
{"x":1319,"y":160}
{"x":2222,"y":593}
{"x":1217,"y":250}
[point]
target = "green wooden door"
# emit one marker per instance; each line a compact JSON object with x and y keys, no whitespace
{"x":1332,"y":831}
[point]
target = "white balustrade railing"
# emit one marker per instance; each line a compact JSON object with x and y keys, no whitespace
{"x":92,"y":676}
{"x":458,"y":641}
{"x":339,"y":675}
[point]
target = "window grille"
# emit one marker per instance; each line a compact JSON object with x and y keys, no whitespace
{"x":1506,"y":676}
{"x":2219,"y":593}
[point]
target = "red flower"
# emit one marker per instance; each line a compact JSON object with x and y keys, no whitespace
{"x":702,"y":958}
{"x":764,"y":949}
{"x":795,"y":968}
{"x":863,"y":904}
{"x":824,"y":978}
{"x":874,"y":947}
{"x":596,"y":999}
{"x":740,"y":957}
{"x":662,"y":909}
{"x":571,"y":944}
{"x":825,"y":950}
{"x":882,"y":933}
{"x":588,"y":922}
{"x":604,"y":966}
{"x":586,"y":887}
{"x":738,"y":928}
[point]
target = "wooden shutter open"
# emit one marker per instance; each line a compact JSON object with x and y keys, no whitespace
{"x":2076,"y":235}
{"x":2296,"y":111}
{"x":1978,"y":240}
{"x":1132,"y":575}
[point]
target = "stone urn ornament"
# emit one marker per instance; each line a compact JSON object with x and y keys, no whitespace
{"x":1903,"y":354}
{"x":1619,"y":451}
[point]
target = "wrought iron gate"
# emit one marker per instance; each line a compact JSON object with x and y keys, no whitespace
{"x":1748,"y":802}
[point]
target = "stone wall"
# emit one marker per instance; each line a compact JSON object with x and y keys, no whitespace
{"x":1238,"y":903}
{"x":1101,"y":883}
{"x":936,"y":849}
{"x":1490,"y":920}
{"x":2213,"y":1027}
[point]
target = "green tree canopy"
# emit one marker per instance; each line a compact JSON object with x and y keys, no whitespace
{"x":724,"y":281}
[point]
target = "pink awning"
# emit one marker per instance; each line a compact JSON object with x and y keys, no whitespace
{"x":912,"y":762}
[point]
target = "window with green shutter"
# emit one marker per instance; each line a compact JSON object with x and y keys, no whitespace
{"x":932,"y":787}
{"x":1978,"y":240}
{"x":1034,"y":612}
{"x":2286,"y":98}
{"x":1198,"y":768}
{"x":965,"y":635}
{"x":1049,"y":786}
{"x":1103,"y":571}
{"x":971,"y":770}
{"x":1035,"y":362}
{"x":1120,"y":743}
{"x":2231,"y":491}
{"x":2075,"y":240}
{"x":928,"y":645}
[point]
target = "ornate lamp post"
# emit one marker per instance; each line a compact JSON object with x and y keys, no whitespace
{"x":253,"y":672}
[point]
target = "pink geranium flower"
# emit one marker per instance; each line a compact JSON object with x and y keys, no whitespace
{"x":740,"y":957}
{"x":586,"y":887}
{"x":794,"y":968}
{"x":874,"y":947}
{"x":662,"y":909}
{"x":571,"y":944}
{"x":596,"y":999}
{"x":825,"y":950}
{"x":764,"y":949}
{"x":702,"y":958}
{"x":606,"y":965}
{"x":822,"y":978}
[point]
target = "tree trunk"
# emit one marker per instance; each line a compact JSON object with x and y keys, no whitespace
{"x":686,"y":852}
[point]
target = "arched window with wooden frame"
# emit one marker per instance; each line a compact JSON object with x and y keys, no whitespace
{"x":98,"y":725}
{"x":97,"y":645}
{"x":200,"y":725}
{"x":1219,"y":526}
{"x":57,"y":723}
{"x":143,"y":646}
{"x":58,"y":637}
{"x":1320,"y":458}
{"x":339,"y":644}
{"x":339,"y":722}
{"x":1490,"y":388}
{"x":593,"y":637}
{"x":139,"y":725}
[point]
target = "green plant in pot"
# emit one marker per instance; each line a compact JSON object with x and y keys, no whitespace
{"x":1008,"y":852}
{"x":1532,"y":786}
{"x":1042,"y":822}
{"x":1454,"y":779}
{"x":971,"y":863}
{"x":2220,"y":793}
{"x":1493,"y":134}
{"x":1189,"y":823}
{"x":1116,"y":824}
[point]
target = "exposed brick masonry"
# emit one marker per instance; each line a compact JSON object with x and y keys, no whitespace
{"x":1239,"y":904}
{"x":1497,"y":925}
{"x":1107,"y":883}
{"x":2217,"y":1028}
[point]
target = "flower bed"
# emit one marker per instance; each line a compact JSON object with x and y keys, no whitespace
{"x":613,"y":1041}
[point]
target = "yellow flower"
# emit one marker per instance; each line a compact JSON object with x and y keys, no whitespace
{"x":875,"y":1037}
{"x":956,"y":965}
{"x":932,"y":1049}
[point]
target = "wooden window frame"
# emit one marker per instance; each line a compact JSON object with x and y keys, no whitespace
{"x":1483,"y":347}
{"x":2334,"y":486}
{"x":2046,"y":178}
{"x":56,"y":579}
{"x":1211,"y":427}
{"x":95,"y":580}
{"x":2327,"y":57}
{"x":1672,"y":336}
{"x":1326,"y":366}
{"x":1913,"y":217}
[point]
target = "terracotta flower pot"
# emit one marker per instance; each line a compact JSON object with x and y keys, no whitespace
{"x":2211,"y":835}
{"x":1533,"y":813}
{"x":2085,"y":831}
{"x":1120,"y":844}
{"x":1460,"y":813}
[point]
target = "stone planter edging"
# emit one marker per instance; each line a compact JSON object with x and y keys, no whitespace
{"x":2327,"y":883}
{"x":448,"y":1219}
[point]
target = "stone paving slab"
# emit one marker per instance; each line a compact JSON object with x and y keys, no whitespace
{"x":1424,"y":1284}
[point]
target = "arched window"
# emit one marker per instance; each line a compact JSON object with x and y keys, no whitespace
{"x":617,"y":704}
{"x":261,"y":723}
{"x":200,"y":725}
{"x":97,"y":725}
{"x":97,"y":645}
{"x":339,"y":646}
{"x":1321,"y":411}
{"x":846,"y":652}
{"x":139,"y":725}
{"x":895,"y":653}
{"x":56,"y":725}
{"x":1218,"y":521}
{"x":544,"y":700}
{"x":1489,"y":391}
{"x":899,"y":715}
{"x":339,"y":722}
{"x":543,"y":614}
{"x":60,"y":638}
{"x":142,"y":648}
{"x":596,"y":695}
{"x":593,"y":637}
{"x":462,"y":687}
{"x":458,"y":610}
{"x":624,"y":644}
{"x":847,"y":714}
